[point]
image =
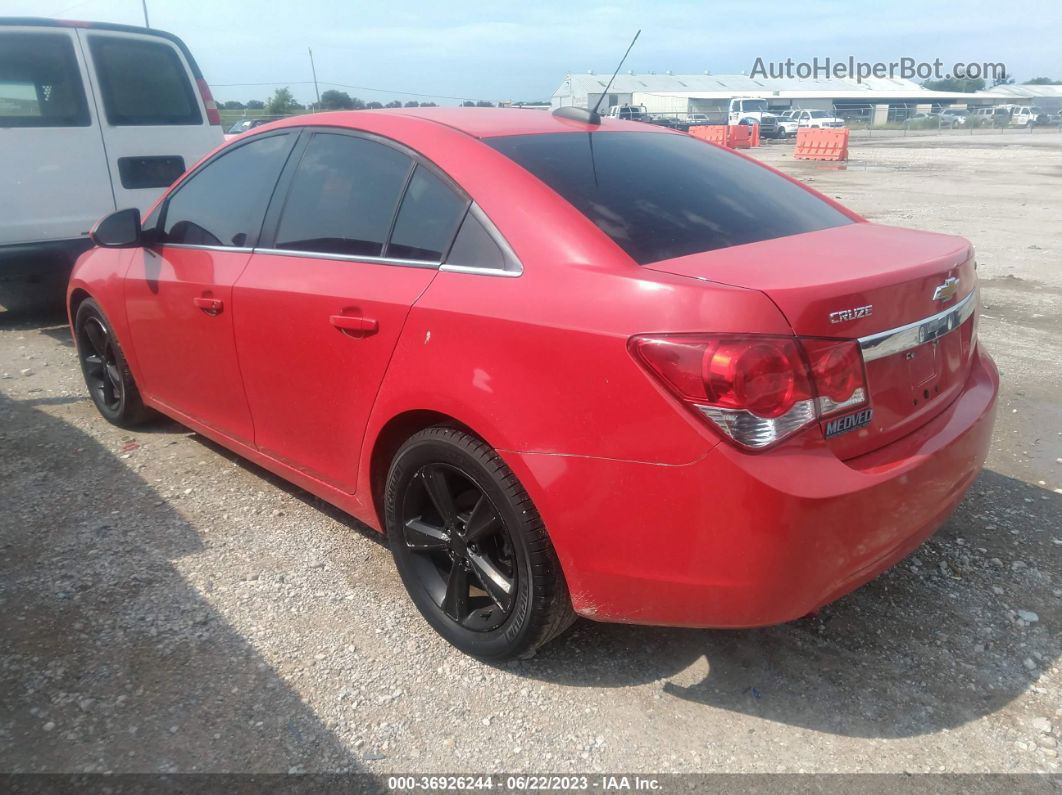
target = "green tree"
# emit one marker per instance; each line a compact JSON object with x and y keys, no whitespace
{"x":336,"y":100}
{"x":374,"y":105}
{"x":394,"y":103}
{"x":282,"y":103}
{"x":468,"y":104}
{"x":484,"y":104}
{"x":428,"y":105}
{"x":255,"y":104}
{"x":412,"y":104}
{"x":1042,"y":81}
{"x":965,"y":84}
{"x":232,"y":105}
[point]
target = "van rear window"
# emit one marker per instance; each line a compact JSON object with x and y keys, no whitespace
{"x":143,"y":83}
{"x":40,"y":82}
{"x":660,"y":195}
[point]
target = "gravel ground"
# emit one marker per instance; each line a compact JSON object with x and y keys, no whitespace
{"x":165,"y":606}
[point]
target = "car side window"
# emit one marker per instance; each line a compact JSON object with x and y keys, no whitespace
{"x":343,"y":196}
{"x":40,"y":82}
{"x":427,"y":220}
{"x":222,"y":204}
{"x":475,"y":247}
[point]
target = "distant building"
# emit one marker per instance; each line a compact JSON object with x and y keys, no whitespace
{"x":878,"y":100}
{"x":1048,"y":98}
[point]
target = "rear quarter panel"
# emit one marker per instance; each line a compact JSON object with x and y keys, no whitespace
{"x":540,"y":362}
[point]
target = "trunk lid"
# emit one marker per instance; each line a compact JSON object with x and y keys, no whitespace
{"x":860,"y":281}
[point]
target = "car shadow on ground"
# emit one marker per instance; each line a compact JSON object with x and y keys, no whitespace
{"x":110,"y":660}
{"x":922,"y":648}
{"x":925,"y":647}
{"x":289,"y":488}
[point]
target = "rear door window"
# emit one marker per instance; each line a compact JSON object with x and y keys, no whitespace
{"x":222,"y":204}
{"x":143,"y":83}
{"x":343,"y":197}
{"x":427,"y":220}
{"x":40,"y":82}
{"x":663,"y":195}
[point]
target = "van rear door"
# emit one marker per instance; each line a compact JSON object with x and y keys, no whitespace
{"x":153,"y":108}
{"x":53,"y":178}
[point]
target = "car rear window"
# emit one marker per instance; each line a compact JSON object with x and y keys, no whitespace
{"x":40,"y":82}
{"x":144,"y":83}
{"x":660,"y":196}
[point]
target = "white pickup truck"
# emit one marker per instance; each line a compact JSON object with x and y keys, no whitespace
{"x":816,"y":118}
{"x":1026,"y":116}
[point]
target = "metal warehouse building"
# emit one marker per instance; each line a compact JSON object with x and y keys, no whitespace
{"x":878,"y":99}
{"x":1049,"y":97}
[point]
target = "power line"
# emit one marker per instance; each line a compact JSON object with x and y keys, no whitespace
{"x":345,"y":85}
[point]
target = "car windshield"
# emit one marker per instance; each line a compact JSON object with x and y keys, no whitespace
{"x":819,"y":114}
{"x":661,"y":195}
{"x":754,"y":105}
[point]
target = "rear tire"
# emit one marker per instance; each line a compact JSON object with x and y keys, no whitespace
{"x":106,"y":371}
{"x":470,"y":547}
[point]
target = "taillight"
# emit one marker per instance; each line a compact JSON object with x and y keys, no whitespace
{"x":757,"y":390}
{"x":213,"y":117}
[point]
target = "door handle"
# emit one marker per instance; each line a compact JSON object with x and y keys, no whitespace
{"x":354,"y":325}
{"x":211,"y":306}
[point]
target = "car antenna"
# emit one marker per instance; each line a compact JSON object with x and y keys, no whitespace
{"x":592,"y":116}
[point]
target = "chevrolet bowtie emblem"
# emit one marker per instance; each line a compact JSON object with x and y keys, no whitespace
{"x":946,"y":291}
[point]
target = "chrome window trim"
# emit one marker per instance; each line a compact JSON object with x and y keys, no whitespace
{"x":512,"y":266}
{"x":405,"y":263}
{"x":243,"y":249}
{"x":903,"y":338}
{"x":477,"y":271}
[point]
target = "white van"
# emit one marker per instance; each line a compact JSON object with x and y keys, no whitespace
{"x":93,"y":118}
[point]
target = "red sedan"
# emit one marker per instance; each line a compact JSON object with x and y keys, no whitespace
{"x":568,"y":367}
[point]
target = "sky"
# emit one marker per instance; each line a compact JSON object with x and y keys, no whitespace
{"x":451,"y":50}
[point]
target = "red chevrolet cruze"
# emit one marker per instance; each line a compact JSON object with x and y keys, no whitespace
{"x":602,"y":369}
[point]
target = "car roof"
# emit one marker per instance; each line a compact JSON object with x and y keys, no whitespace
{"x":481,"y":122}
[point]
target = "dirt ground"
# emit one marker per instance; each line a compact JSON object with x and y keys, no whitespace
{"x":167,"y":607}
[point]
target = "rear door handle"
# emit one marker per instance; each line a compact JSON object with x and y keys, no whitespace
{"x":211,"y":306}
{"x":354,"y":325}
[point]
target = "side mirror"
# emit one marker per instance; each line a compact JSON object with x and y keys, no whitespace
{"x":118,"y":230}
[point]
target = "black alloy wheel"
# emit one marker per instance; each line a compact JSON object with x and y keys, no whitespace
{"x":99,"y":360}
{"x":470,"y":547}
{"x":463,"y":551}
{"x":107,"y":376}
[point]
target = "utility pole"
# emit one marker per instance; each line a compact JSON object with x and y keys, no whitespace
{"x":315,"y":88}
{"x":146,"y":23}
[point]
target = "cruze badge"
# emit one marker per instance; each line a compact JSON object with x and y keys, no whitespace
{"x":946,"y":291}
{"x":854,"y":313}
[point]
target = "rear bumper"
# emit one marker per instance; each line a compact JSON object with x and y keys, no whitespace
{"x":738,"y":540}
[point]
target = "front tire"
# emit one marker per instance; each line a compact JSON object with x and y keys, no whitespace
{"x":107,"y":376}
{"x":470,"y":547}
